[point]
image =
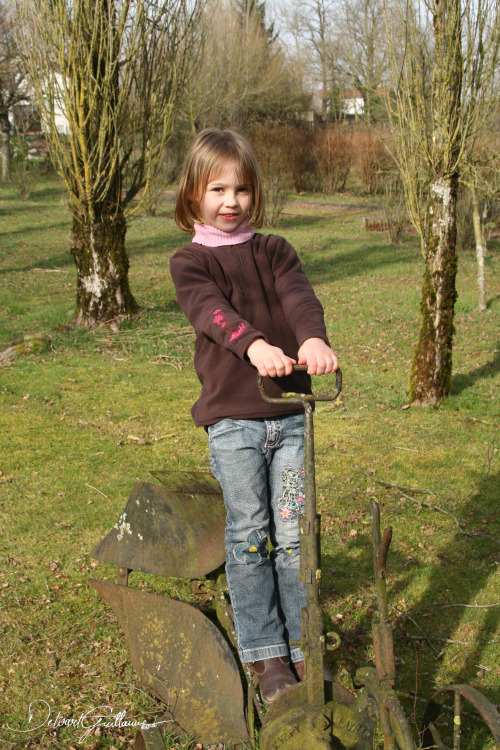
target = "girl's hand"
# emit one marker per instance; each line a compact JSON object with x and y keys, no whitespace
{"x":319,"y":358}
{"x":269,"y":360}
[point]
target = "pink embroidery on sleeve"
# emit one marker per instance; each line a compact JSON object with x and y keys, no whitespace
{"x":238,"y":332}
{"x":220,"y":320}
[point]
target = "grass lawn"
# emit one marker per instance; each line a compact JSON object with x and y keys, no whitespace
{"x":93,"y":412}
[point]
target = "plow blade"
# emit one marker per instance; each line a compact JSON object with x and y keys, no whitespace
{"x":176,"y":529}
{"x":184,"y":660}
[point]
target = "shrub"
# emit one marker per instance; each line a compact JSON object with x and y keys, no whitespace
{"x":332,"y":149}
{"x":466,"y":239}
{"x":374,"y":162}
{"x":26,"y":167}
{"x":395,"y":209}
{"x":297,"y":143}
{"x":271,"y":149}
{"x":168,"y":170}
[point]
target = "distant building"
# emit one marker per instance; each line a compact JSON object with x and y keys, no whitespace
{"x":354,"y":104}
{"x":28,"y":114}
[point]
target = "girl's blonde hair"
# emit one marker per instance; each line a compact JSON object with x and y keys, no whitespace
{"x":211,"y":153}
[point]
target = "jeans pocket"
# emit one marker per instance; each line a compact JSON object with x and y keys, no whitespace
{"x":229,"y":433}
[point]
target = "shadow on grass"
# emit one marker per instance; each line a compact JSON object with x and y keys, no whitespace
{"x":48,"y":192}
{"x":43,"y":225}
{"x":293,"y":222}
{"x":454,"y":585}
{"x":321,"y":263}
{"x":161,"y":244}
{"x":62,"y":260}
{"x":355,"y":262}
{"x":464,"y":572}
{"x":41,"y":193}
{"x":467,"y":380}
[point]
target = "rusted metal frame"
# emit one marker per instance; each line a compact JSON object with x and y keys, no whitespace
{"x":250,"y":716}
{"x":486,"y":710}
{"x":381,"y":629}
{"x":333,"y":636}
{"x":298,"y":398}
{"x":400,"y":729}
{"x":386,"y":727}
{"x":383,"y":640}
{"x":392,"y":718}
{"x":312,"y":640}
{"x":456,"y":721}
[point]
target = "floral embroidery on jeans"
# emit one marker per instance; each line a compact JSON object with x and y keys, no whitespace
{"x":292,"y":503}
{"x":288,"y":556}
{"x":253,"y":550}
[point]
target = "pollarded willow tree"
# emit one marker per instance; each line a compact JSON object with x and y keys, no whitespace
{"x":115,"y":69}
{"x":434,"y":131}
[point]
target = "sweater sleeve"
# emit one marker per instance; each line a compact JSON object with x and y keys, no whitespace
{"x":206,"y":307}
{"x":303,"y":310}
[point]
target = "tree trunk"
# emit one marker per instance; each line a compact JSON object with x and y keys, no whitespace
{"x":430,"y":378}
{"x":103,"y":291}
{"x":5,"y":147}
{"x":479,"y":237}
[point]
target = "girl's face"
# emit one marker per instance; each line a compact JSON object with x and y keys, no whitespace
{"x":226,"y":201}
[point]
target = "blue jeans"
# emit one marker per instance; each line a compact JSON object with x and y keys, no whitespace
{"x":260,"y":466}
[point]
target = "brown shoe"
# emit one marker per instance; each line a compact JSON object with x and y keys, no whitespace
{"x":300,"y":670}
{"x":274,"y":676}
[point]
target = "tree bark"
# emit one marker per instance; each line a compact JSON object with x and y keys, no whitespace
{"x":430,"y":378}
{"x":479,"y":238}
{"x":103,"y":292}
{"x":431,"y":373}
{"x":5,"y":146}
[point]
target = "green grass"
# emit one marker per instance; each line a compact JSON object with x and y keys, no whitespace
{"x":93,"y":412}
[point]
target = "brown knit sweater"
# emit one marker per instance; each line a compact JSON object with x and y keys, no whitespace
{"x":233,"y":295}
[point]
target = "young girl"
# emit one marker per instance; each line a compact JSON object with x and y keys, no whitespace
{"x":252,"y":308}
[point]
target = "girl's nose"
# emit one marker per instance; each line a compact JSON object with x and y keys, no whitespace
{"x":231,"y":198}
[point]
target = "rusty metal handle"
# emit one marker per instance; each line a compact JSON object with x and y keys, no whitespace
{"x":299,"y":398}
{"x":312,"y":640}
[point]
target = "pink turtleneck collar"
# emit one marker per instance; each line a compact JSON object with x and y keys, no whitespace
{"x":204,"y":234}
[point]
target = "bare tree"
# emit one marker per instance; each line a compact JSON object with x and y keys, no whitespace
{"x":433,"y":135}
{"x":243,"y":75}
{"x":346,"y":42}
{"x":313,"y":22}
{"x":363,"y":51}
{"x":291,"y":36}
{"x":12,"y":84}
{"x":247,"y":8}
{"x":116,"y":69}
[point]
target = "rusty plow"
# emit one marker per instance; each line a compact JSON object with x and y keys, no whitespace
{"x":187,"y":657}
